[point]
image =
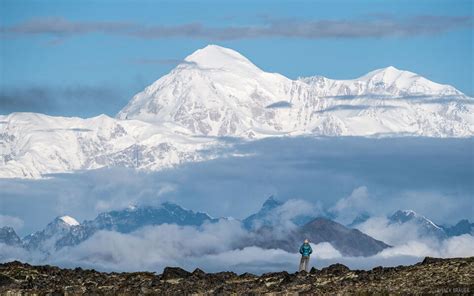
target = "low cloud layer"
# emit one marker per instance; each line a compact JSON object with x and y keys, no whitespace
{"x":224,"y":245}
{"x":347,"y":175}
{"x":375,"y":26}
{"x":215,"y":247}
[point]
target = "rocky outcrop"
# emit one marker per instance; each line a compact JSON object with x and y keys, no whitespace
{"x":432,"y":276}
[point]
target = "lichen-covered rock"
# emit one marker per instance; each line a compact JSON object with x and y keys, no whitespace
{"x":432,"y":276}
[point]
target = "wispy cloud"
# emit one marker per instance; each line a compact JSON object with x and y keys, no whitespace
{"x":375,"y":26}
{"x":151,"y":61}
{"x":58,"y":26}
{"x":215,"y":247}
{"x":59,"y":100}
{"x":11,"y":221}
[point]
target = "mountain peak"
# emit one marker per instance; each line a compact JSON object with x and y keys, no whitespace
{"x":387,"y":74}
{"x":271,"y":203}
{"x":215,"y":56}
{"x":390,"y":69}
{"x":69,"y":220}
{"x":403,"y":215}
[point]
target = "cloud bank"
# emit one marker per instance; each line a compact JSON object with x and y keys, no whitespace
{"x":346,"y":176}
{"x":215,"y":247}
{"x":376,"y":26}
{"x":350,"y":175}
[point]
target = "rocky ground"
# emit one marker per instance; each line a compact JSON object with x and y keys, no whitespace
{"x":432,"y":276}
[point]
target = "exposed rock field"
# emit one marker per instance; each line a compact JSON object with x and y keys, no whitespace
{"x":432,"y":276}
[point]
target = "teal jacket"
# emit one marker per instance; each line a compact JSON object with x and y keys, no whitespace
{"x":305,"y":250}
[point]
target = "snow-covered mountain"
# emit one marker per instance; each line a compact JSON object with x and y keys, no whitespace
{"x":218,"y":92}
{"x":425,"y":226}
{"x":32,"y":145}
{"x":46,"y":239}
{"x":66,"y":231}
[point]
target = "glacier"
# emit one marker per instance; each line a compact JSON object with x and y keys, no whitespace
{"x":216,"y":92}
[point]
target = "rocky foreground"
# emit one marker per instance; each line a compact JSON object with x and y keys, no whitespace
{"x":432,"y":276}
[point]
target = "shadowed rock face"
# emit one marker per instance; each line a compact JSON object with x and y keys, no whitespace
{"x":432,"y":276}
{"x":350,"y":242}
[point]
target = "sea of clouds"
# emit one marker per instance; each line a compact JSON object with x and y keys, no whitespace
{"x":341,"y":176}
{"x":216,"y":247}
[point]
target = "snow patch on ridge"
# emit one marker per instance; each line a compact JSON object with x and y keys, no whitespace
{"x":214,"y":56}
{"x":69,"y":220}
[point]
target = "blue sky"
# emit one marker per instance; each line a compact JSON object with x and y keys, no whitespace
{"x":89,"y":57}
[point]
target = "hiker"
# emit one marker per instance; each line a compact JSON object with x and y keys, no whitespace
{"x":305,"y":251}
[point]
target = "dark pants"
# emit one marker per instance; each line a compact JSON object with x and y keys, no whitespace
{"x":304,"y":263}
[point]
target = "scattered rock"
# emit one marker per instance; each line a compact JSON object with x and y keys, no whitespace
{"x":174,"y":273}
{"x":429,"y":260}
{"x":447,"y":276}
{"x":198,"y":273}
{"x":6,"y":280}
{"x":336,"y":269}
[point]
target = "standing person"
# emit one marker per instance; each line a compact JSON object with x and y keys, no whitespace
{"x":305,"y":251}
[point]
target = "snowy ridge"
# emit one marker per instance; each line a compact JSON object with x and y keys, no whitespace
{"x":388,"y":81}
{"x":217,"y":92}
{"x":410,"y":215}
{"x":426,"y":226}
{"x":33,"y":145}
